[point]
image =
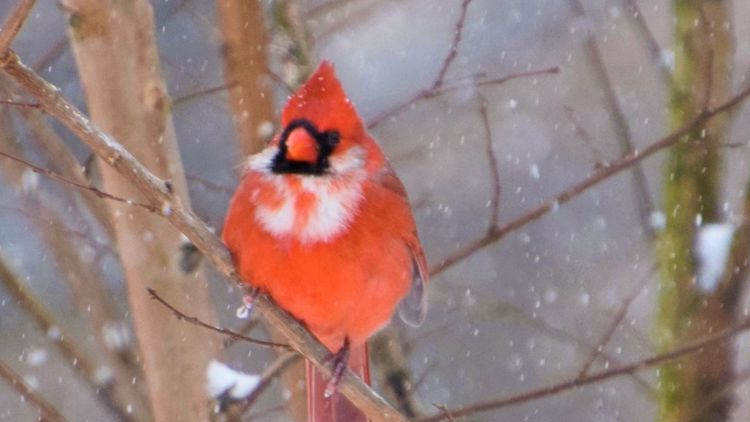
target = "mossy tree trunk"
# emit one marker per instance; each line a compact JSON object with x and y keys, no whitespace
{"x":703,"y":51}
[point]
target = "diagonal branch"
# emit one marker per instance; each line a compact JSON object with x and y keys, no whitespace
{"x":194,"y":320}
{"x":62,"y":179}
{"x":48,"y":413}
{"x":614,"y":324}
{"x":602,"y":174}
{"x":433,"y":92}
{"x":622,"y":130}
{"x":68,"y":348}
{"x":160,"y":193}
{"x":577,"y":382}
{"x":13,"y":24}
{"x":453,"y":52}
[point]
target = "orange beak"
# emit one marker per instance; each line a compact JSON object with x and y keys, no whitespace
{"x":300,"y":146}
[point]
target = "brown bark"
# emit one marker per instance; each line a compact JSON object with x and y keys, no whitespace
{"x":245,"y":72}
{"x":116,"y":53}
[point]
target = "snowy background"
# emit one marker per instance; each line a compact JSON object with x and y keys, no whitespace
{"x":522,"y":313}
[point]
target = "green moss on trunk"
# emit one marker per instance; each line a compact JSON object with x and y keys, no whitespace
{"x":702,"y":48}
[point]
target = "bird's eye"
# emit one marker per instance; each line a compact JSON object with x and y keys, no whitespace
{"x":333,"y":137}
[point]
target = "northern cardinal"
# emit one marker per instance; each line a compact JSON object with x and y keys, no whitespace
{"x":322,"y":224}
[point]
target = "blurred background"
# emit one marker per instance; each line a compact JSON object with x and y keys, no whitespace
{"x":529,"y":310}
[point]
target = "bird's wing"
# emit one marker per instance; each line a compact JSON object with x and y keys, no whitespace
{"x":413,"y":306}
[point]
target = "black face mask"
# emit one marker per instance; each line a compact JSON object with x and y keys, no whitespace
{"x":326,"y":141}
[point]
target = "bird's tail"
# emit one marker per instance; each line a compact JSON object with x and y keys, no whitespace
{"x":335,"y":408}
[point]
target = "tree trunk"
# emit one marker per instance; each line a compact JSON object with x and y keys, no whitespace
{"x":703,"y":51}
{"x":116,"y":53}
{"x":246,"y":72}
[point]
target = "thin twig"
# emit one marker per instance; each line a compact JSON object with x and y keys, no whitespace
{"x":209,"y":184}
{"x":713,"y":397}
{"x":444,"y":412}
{"x":17,"y":104}
{"x":644,"y":201}
{"x":453,"y":52}
{"x":460,"y":83}
{"x":708,"y":75}
{"x":576,"y":382}
{"x":614,"y":324}
{"x":493,"y":165}
{"x":278,"y":366}
{"x":67,"y":347}
{"x":244,"y":329}
{"x":161,"y":192}
{"x":201,"y":93}
{"x":196,"y":321}
{"x":13,"y":24}
{"x":653,"y":47}
{"x":597,"y":177}
{"x":596,"y":153}
{"x":59,"y":178}
{"x":48,"y":412}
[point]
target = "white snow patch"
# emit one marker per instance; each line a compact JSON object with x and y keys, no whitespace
{"x":712,"y":250}
{"x":225,"y":380}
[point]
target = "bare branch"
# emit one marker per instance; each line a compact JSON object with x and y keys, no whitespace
{"x":279,"y":365}
{"x":623,"y":134}
{"x":492,"y":163}
{"x":599,"y":176}
{"x":642,"y":30}
{"x":17,"y":104}
{"x":616,"y":321}
{"x":596,"y":153}
{"x":203,"y":92}
{"x":696,"y":346}
{"x":453,"y":52}
{"x":65,"y":344}
{"x":161,"y":192}
{"x":193,"y":320}
{"x":48,"y":412}
{"x":13,"y":24}
{"x":458,"y":84}
{"x":59,"y":178}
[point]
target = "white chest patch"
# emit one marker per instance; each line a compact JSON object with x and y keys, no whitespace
{"x":312,"y":208}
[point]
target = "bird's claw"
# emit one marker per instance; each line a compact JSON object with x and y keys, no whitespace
{"x":243,"y":312}
{"x":340,"y":360}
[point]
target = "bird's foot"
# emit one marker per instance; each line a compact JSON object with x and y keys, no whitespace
{"x":339,"y":359}
{"x":243,"y":312}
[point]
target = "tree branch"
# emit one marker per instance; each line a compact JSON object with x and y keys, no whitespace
{"x":68,"y":348}
{"x":59,"y":178}
{"x":453,"y":52}
{"x":13,"y":24}
{"x":160,"y":193}
{"x":196,"y":321}
{"x":444,"y":89}
{"x":577,"y":382}
{"x":602,"y":174}
{"x":48,"y":413}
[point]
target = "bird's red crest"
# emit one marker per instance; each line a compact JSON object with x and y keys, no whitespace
{"x":322,"y":101}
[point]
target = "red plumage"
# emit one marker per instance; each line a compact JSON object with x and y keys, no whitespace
{"x":322,"y":224}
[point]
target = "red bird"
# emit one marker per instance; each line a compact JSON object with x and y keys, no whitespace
{"x":322,"y":224}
